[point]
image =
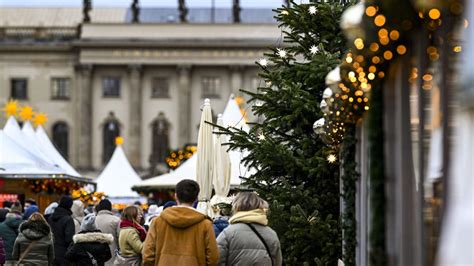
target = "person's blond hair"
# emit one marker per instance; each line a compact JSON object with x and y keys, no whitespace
{"x":247,"y":201}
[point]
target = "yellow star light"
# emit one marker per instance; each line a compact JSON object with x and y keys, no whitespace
{"x":332,"y":158}
{"x":40,"y":119}
{"x":11,"y":108}
{"x":118,"y":141}
{"x":26,"y":113}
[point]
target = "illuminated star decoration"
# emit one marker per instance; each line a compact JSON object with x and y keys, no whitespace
{"x":26,"y":113}
{"x":312,"y":10}
{"x":314,"y":49}
{"x":261,"y":136}
{"x":281,"y":52}
{"x":263,"y":62}
{"x":11,"y":108}
{"x":118,"y":141}
{"x":331,"y":158}
{"x":40,"y":119}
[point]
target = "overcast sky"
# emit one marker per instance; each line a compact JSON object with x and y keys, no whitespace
{"x":143,"y":3}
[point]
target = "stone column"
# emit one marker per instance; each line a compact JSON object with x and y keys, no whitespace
{"x":184,"y":88}
{"x":135,"y":123}
{"x":83,"y":113}
{"x":236,"y":79}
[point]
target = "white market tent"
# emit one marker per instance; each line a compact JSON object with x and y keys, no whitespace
{"x":118,"y":177}
{"x":232,"y":118}
{"x":16,"y":160}
{"x":12,"y":130}
{"x":48,"y":148}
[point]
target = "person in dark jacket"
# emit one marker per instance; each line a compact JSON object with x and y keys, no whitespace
{"x":3,"y":256}
{"x":91,"y":246}
{"x":30,"y":208}
{"x":36,"y":238}
{"x":9,"y":229}
{"x":62,"y":226}
{"x":3,"y":214}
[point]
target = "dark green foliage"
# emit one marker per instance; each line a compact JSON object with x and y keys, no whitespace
{"x":293,"y":174}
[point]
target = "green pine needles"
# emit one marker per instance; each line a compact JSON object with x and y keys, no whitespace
{"x":293,"y":172}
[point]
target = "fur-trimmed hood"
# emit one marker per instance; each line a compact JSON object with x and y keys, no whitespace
{"x":97,"y":236}
{"x":35,"y":230}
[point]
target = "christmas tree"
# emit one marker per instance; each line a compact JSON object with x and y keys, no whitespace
{"x":295,"y":170}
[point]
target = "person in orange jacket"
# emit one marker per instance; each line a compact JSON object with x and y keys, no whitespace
{"x":181,"y":235}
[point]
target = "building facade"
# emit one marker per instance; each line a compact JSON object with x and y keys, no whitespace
{"x":111,"y":77}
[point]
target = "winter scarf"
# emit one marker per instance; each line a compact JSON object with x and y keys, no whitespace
{"x":140,"y":229}
{"x":257,"y":216}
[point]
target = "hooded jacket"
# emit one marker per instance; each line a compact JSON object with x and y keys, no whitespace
{"x":2,"y":251}
{"x":42,"y":250}
{"x":239,"y":245}
{"x":95,"y":243}
{"x":9,"y":232}
{"x":62,"y":226}
{"x":180,"y":236}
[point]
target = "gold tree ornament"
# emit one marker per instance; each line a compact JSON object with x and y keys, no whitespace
{"x":26,"y":113}
{"x":40,"y":119}
{"x":118,"y":141}
{"x":11,"y":108}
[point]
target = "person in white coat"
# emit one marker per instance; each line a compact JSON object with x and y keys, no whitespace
{"x":108,"y":223}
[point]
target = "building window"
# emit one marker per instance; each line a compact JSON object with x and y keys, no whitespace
{"x":60,"y":88}
{"x":61,"y":138}
{"x":210,"y":87}
{"x":111,"y":87}
{"x":160,"y":87}
{"x":19,"y":88}
{"x":111,"y":130}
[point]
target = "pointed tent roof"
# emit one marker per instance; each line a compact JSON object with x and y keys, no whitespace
{"x":48,"y":148}
{"x":232,"y":117}
{"x":12,"y":130}
{"x":118,"y":176}
{"x":16,"y":160}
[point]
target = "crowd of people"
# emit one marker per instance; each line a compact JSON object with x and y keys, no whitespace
{"x":69,"y":233}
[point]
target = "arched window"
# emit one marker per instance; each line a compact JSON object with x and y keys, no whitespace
{"x":61,"y":138}
{"x":111,"y":130}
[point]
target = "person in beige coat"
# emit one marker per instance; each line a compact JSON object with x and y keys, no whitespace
{"x":77,"y":214}
{"x":132,"y":235}
{"x":108,"y":223}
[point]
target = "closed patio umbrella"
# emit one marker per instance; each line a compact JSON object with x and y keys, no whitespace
{"x":222,"y":168}
{"x":204,"y":165}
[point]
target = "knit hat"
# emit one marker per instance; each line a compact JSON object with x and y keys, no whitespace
{"x":65,"y":202}
{"x":16,"y":207}
{"x":104,"y":204}
{"x":88,"y":223}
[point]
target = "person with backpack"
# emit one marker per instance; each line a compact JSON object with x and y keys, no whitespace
{"x":248,"y":240}
{"x":34,"y":244}
{"x":90,"y":246}
{"x":62,"y":225}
